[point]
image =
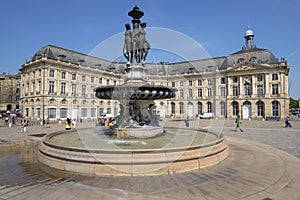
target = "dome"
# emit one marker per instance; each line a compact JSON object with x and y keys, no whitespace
{"x":249,"y":32}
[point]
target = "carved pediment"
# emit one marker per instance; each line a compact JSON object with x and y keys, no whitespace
{"x":245,"y":66}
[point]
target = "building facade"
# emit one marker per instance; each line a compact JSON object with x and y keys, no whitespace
{"x":58,"y":83}
{"x":9,"y":92}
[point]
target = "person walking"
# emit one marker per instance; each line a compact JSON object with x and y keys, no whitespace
{"x":68,"y":124}
{"x":238,"y":123}
{"x":288,"y":122}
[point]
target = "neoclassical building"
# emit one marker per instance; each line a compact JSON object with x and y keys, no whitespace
{"x":9,"y":91}
{"x":57,"y":83}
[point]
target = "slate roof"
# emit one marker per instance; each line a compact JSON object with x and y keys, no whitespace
{"x":162,"y":68}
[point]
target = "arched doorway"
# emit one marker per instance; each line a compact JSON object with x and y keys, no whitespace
{"x":246,"y":109}
{"x":8,"y":107}
{"x":190,"y":109}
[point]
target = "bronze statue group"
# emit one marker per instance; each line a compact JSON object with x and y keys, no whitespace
{"x":136,"y":46}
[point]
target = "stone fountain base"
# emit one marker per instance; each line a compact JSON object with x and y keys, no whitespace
{"x":132,"y":162}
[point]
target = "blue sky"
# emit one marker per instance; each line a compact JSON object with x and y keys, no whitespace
{"x":218,"y":26}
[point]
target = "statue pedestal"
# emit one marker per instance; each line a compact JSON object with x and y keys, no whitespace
{"x":136,"y":74}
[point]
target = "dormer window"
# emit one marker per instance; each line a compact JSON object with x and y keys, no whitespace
{"x":252,"y":59}
{"x":240,"y":60}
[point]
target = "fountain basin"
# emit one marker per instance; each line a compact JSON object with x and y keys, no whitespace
{"x":128,"y":161}
{"x":135,"y":92}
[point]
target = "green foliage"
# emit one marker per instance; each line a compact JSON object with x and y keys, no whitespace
{"x":294,"y":103}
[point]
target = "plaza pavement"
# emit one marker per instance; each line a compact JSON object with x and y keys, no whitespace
{"x":262,"y":165}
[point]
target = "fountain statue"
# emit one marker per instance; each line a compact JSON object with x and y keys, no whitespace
{"x":136,"y":96}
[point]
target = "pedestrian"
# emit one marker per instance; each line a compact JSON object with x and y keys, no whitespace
{"x":288,"y":122}
{"x":238,"y":123}
{"x":74,"y":123}
{"x":68,"y":124}
{"x":22,"y":126}
{"x":6,"y":120}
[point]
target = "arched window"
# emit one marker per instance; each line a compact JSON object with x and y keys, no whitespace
{"x":247,"y":88}
{"x":235,"y":108}
{"x":173,"y":108}
{"x":240,"y":60}
{"x":51,"y":101}
{"x":162,"y":103}
{"x":64,"y":101}
{"x":199,"y":108}
{"x":275,"y":108}
{"x":209,"y":107}
{"x":252,"y":59}
{"x":181,"y":108}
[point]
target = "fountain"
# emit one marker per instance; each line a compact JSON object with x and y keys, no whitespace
{"x":136,"y":96}
{"x":172,"y":150}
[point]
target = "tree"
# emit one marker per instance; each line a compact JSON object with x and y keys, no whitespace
{"x":294,"y":103}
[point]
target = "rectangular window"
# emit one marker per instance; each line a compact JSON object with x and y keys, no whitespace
{"x":209,"y":92}
{"x":73,"y":77}
{"x":63,"y":88}
{"x":181,"y":93}
{"x":100,"y":81}
{"x":181,"y":83}
{"x":209,"y":82}
{"x":222,"y":105}
{"x":101,"y":111}
{"x":223,"y":91}
{"x":39,"y":86}
{"x":235,"y":91}
{"x":260,"y":89}
{"x":92,"y":79}
{"x":83,"y":78}
{"x":190,"y":93}
{"x":51,"y":87}
{"x":51,"y":113}
{"x":38,"y":113}
{"x":63,"y":75}
{"x":108,"y":110}
{"x":259,"y":78}
{"x":274,"y":89}
{"x":199,"y":92}
{"x":274,"y":77}
{"x":83,"y":112}
{"x":173,"y":84}
{"x":190,"y":83}
{"x":51,"y":73}
{"x":63,"y":113}
{"x":222,"y":80}
{"x":93,"y":112}
{"x":73,"y":89}
{"x":199,"y":82}
{"x":83,"y":90}
{"x":234,"y":79}
{"x":33,"y":87}
{"x":247,"y":88}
